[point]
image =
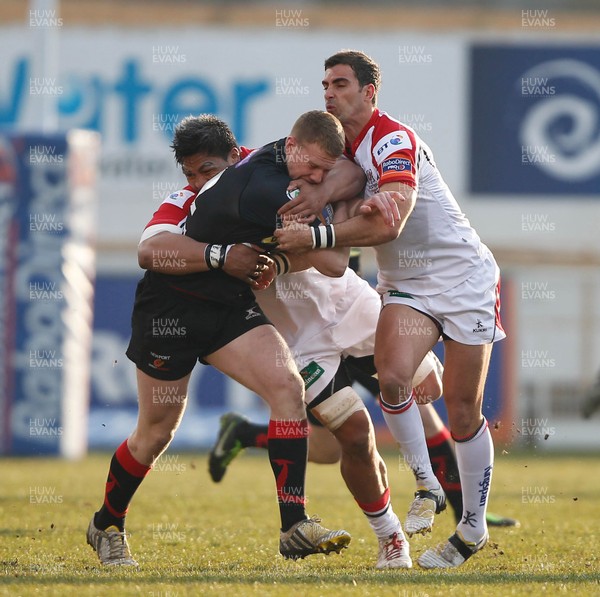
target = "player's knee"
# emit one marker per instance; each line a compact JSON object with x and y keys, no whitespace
{"x":464,"y":416}
{"x":395,"y":387}
{"x":158,"y":438}
{"x":285,"y":395}
{"x":356,"y":436}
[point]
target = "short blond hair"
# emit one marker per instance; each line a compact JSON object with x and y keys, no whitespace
{"x":321,"y":128}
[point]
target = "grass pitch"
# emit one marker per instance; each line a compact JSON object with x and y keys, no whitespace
{"x":192,"y":537}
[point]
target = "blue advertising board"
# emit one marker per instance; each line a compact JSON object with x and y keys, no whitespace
{"x":35,"y":227}
{"x":535,"y":119}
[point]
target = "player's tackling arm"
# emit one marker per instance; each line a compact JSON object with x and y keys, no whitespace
{"x":177,"y":254}
{"x":366,"y":229}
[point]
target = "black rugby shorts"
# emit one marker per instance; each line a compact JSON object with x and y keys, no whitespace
{"x":171,"y":331}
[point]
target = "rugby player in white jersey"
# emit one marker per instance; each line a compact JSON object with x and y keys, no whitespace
{"x":436,"y":278}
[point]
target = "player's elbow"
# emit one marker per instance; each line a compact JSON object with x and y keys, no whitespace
{"x":332,"y":270}
{"x":386,"y":234}
{"x":144,"y":254}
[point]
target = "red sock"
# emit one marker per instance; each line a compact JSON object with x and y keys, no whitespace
{"x":445,"y":468}
{"x":124,"y":477}
{"x":377,"y":508}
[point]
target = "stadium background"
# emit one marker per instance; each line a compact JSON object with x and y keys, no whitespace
{"x":509,"y":100}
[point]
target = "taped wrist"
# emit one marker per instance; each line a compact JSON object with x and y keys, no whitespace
{"x":215,"y":255}
{"x":282,"y":263}
{"x":323,"y":237}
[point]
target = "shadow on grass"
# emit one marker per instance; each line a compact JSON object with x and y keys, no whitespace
{"x":414,"y":577}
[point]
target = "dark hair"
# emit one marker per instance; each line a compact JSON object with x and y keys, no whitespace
{"x":367,"y":71}
{"x":202,"y":134}
{"x":321,"y":128}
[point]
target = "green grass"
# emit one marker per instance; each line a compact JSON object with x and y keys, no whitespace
{"x":192,"y":537}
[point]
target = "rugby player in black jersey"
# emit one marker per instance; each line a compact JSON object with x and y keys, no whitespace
{"x":213,"y":317}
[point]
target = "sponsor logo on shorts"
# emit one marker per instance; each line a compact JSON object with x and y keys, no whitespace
{"x":399,"y":294}
{"x":311,"y":373}
{"x":159,"y":361}
{"x":396,"y":165}
{"x":480,"y":329}
{"x":250,"y":313}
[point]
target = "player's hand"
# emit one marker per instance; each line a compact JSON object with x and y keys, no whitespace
{"x":246,"y":262}
{"x":308,"y":201}
{"x":294,"y":236}
{"x":385,"y":203}
{"x":265,"y":278}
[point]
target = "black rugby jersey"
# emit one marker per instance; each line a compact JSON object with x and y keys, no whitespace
{"x":240,"y":207}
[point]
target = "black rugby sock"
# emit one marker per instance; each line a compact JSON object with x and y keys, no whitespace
{"x":288,"y":450}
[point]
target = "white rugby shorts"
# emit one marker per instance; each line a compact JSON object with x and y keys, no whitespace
{"x":468,"y":313}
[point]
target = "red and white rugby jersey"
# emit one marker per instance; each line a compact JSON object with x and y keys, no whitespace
{"x":437,"y":249}
{"x":173,"y":211}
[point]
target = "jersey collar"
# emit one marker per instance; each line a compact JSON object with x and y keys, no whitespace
{"x":351,"y":148}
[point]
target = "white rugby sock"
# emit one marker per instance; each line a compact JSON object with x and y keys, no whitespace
{"x":381,"y":517}
{"x":475,"y":458}
{"x":405,"y":424}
